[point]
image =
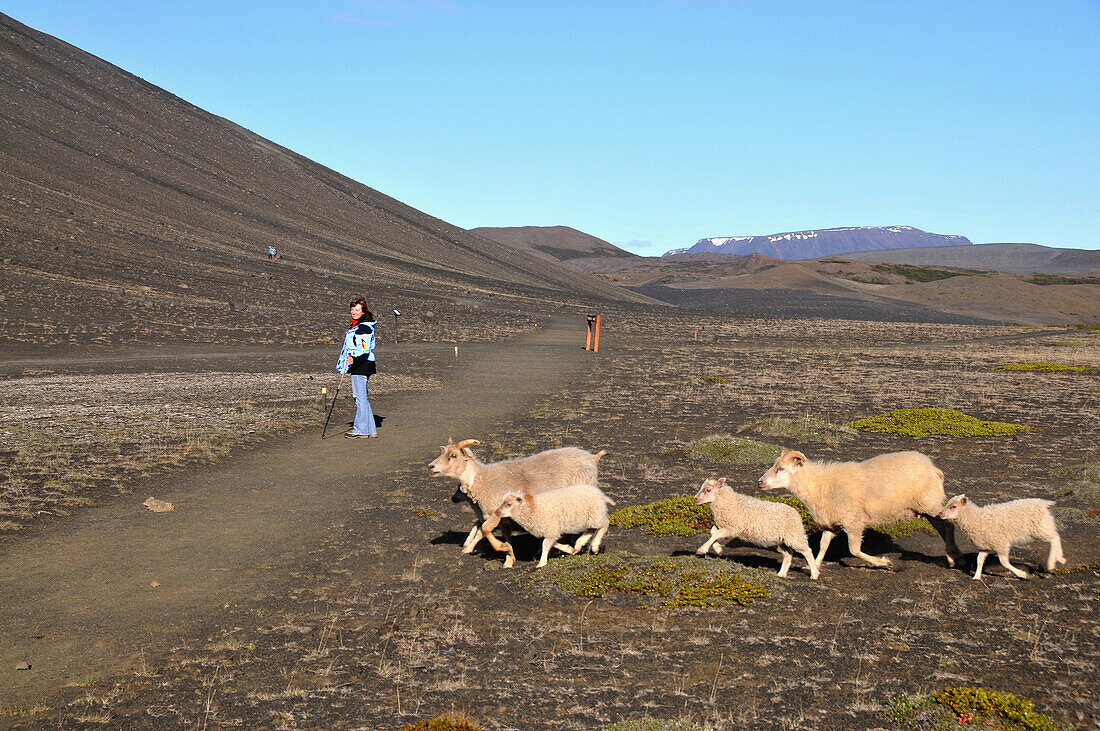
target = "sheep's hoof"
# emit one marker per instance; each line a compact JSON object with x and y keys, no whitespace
{"x":717,"y":549}
{"x":700,"y":552}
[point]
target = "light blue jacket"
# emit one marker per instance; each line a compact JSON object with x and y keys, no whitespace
{"x":359,"y":344}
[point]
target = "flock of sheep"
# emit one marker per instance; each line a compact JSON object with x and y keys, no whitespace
{"x":553,"y":494}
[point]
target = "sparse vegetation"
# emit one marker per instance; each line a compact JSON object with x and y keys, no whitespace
{"x":935,"y":422}
{"x":906,"y":527}
{"x":1044,"y":279}
{"x":1041,"y":366}
{"x":960,"y":707}
{"x":679,"y":581}
{"x":728,"y":449}
{"x":913,"y":273}
{"x":803,"y":429}
{"x":654,"y":724}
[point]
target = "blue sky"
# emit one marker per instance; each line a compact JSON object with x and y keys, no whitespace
{"x":653,"y":123}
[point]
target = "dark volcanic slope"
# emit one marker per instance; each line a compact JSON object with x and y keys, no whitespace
{"x":782,"y":303}
{"x":116,"y":195}
{"x":1014,"y":258}
{"x":553,"y":243}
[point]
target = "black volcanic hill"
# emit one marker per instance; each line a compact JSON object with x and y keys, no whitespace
{"x":553,"y":243}
{"x":129,"y":214}
{"x":822,"y":242}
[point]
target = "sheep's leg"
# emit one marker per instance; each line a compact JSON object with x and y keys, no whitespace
{"x":826,"y":539}
{"x":981,"y":562}
{"x":597,"y":539}
{"x":810,"y":563}
{"x":583,"y":539}
{"x":472,"y":540}
{"x":787,"y":556}
{"x":1055,"y":555}
{"x":716,"y":534}
{"x":565,"y":548}
{"x":855,"y":541}
{"x":1002,"y":556}
{"x":547,"y":544}
{"x":946,"y":529}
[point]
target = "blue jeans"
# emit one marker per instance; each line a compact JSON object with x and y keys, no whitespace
{"x":364,"y":416}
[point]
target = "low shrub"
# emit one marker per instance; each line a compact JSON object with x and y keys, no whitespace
{"x":935,"y":422}
{"x":654,"y":724}
{"x":958,"y":707}
{"x":447,"y":722}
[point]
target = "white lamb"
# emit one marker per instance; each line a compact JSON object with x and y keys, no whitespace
{"x":550,"y":515}
{"x":1001,"y":526}
{"x":483,"y":484}
{"x":850,"y":496}
{"x":759,"y":522}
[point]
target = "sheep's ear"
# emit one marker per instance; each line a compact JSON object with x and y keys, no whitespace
{"x":963,"y":499}
{"x":721,"y":481}
{"x":797,"y":458}
{"x":468,"y":452}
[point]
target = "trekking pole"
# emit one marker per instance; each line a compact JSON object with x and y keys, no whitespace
{"x":330,"y":408}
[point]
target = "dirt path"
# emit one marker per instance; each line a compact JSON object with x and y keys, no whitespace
{"x":80,"y":602}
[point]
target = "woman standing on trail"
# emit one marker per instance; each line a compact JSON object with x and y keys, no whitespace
{"x":357,"y":360}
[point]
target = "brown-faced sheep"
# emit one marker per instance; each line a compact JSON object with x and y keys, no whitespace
{"x":759,"y":522}
{"x":485,"y":484}
{"x":997,"y":528}
{"x":850,"y":496}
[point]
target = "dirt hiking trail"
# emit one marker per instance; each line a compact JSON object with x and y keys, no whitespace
{"x":79,"y":601}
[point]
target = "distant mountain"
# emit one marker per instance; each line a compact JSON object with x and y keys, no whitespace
{"x":552,"y":243}
{"x":1013,"y":258}
{"x":823,"y":242}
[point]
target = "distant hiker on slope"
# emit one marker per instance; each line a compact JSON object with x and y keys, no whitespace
{"x":357,"y":360}
{"x":271,"y":253}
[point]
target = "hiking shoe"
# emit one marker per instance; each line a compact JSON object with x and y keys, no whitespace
{"x":350,"y":435}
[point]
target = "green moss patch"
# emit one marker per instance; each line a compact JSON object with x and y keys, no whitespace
{"x":1045,"y":279}
{"x":906,"y":527}
{"x":1041,"y":366}
{"x":803,"y":430}
{"x":732,"y":450}
{"x":677,"y":516}
{"x":960,"y":707}
{"x":675,"y":581}
{"x":935,"y":422}
{"x":1085,"y":471}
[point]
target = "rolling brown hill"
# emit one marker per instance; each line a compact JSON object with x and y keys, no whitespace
{"x":130,"y":215}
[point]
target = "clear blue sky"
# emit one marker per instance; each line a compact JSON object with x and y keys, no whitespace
{"x":653,"y":123}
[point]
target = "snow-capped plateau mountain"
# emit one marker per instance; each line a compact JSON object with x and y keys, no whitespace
{"x":823,"y":242}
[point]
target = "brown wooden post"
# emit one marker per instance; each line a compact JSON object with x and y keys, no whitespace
{"x":596,"y":344}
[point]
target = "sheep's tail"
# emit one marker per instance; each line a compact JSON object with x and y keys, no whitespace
{"x":608,"y":500}
{"x":1049,"y":503}
{"x":599,"y":454}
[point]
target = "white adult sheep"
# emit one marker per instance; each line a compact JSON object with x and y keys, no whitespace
{"x":1001,"y":526}
{"x":759,"y":522}
{"x":485,"y":484}
{"x":550,"y":515}
{"x":850,"y":496}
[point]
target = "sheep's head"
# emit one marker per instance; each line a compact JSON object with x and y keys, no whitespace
{"x":509,"y":504}
{"x":709,"y":490}
{"x":954,"y":505}
{"x":453,"y":459}
{"x":784,"y":469}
